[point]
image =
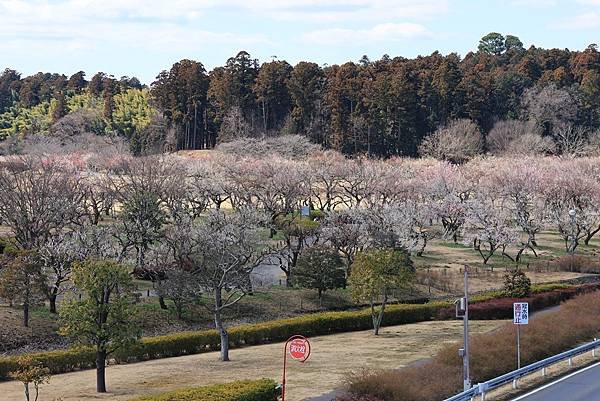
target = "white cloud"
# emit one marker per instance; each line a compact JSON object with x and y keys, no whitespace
{"x":76,"y":26}
{"x":353,"y":10}
{"x":534,"y":3}
{"x":583,"y":21}
{"x":589,"y":2}
{"x":379,"y":33}
{"x":312,"y":10}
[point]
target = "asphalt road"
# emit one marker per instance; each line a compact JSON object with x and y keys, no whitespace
{"x":583,"y":385}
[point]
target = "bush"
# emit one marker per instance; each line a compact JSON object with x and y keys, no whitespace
{"x":492,"y":354}
{"x":485,"y":307}
{"x":261,"y":390}
{"x":187,"y":343}
{"x":57,"y":361}
{"x":577,"y":264}
{"x":517,"y":284}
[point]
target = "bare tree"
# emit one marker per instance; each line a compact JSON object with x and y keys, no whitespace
{"x":571,"y":141}
{"x":22,"y":280}
{"x":288,"y":146}
{"x":234,"y":126}
{"x":516,"y":137}
{"x":347,"y":232}
{"x":549,"y":106}
{"x":299,"y":232}
{"x":57,"y":256}
{"x":457,"y":142}
{"x":37,"y":198}
{"x":532,"y":145}
{"x":572,"y":203}
{"x":593,"y":148}
{"x":223,"y":249}
{"x":325,"y":173}
{"x":142,"y":190}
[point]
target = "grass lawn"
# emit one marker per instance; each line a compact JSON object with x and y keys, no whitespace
{"x":445,"y":260}
{"x":332,"y":357}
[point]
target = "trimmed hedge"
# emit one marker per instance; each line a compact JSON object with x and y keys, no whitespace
{"x":60,"y":361}
{"x":502,"y":308}
{"x":188,"y":343}
{"x":276,"y":330}
{"x":260,"y":390}
{"x":486,"y":306}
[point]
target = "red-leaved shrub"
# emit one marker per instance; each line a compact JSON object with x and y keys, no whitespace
{"x":492,"y":354}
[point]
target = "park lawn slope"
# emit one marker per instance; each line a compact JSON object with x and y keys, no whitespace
{"x":279,"y":330}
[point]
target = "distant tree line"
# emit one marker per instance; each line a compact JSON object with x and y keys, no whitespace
{"x":384,"y":107}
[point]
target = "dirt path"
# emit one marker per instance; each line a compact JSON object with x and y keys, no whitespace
{"x":331,"y":358}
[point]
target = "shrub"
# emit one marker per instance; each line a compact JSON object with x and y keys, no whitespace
{"x":517,"y":284}
{"x":490,"y":307}
{"x":538,"y":288}
{"x":577,"y":263}
{"x":187,"y":343}
{"x":260,"y":390}
{"x":492,"y":354}
{"x":56,"y":361}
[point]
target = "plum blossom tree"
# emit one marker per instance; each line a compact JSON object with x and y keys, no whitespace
{"x":572,"y":203}
{"x":519,"y":183}
{"x":347,"y":231}
{"x":488,"y":229}
{"x":223,"y":249}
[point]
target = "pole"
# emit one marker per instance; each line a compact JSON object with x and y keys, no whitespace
{"x":466,"y":373}
{"x":284,"y":366}
{"x":518,"y":346}
{"x":285,"y":349}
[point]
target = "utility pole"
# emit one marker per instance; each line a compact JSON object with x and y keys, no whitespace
{"x":462,"y":310}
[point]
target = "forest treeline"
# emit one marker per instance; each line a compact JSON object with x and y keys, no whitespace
{"x":545,"y":100}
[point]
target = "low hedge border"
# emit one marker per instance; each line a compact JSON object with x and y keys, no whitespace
{"x":259,"y":390}
{"x":486,"y":306}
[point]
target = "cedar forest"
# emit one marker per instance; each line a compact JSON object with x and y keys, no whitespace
{"x":382,"y":108}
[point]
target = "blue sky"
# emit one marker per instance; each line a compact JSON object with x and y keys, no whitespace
{"x":143,"y":37}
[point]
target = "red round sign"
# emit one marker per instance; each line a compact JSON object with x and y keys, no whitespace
{"x":300,"y":349}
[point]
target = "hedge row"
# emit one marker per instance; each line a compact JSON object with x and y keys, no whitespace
{"x":492,"y":354}
{"x":275,"y":330}
{"x":186,"y":343}
{"x":260,"y":390}
{"x":502,"y":308}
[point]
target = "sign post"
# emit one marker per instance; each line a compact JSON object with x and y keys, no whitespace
{"x":299,"y":349}
{"x":520,"y":316}
{"x":462,"y":311}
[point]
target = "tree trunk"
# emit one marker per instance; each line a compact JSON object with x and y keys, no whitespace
{"x":26,"y":314}
{"x":590,"y":235}
{"x":161,"y":301}
{"x":101,"y":371}
{"x":422,"y":249}
{"x":220,"y":328}
{"x":52,"y":302}
{"x":378,"y":317}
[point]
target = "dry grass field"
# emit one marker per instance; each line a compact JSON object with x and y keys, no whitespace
{"x":331,"y":359}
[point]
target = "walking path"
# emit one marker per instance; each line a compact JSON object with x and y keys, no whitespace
{"x":332,"y":358}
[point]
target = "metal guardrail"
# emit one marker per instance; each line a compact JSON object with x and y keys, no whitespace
{"x":482,"y":388}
